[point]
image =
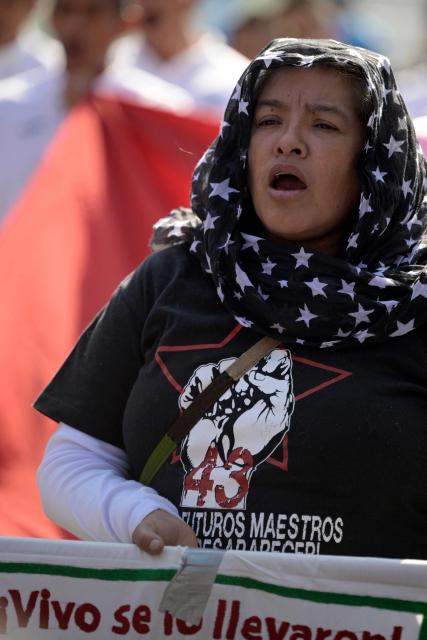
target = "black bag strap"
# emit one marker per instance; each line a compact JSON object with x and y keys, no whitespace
{"x":201,"y":403}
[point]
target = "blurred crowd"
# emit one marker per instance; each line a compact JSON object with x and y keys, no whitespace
{"x":164,"y":62}
{"x":149,"y":51}
{"x":305,"y":19}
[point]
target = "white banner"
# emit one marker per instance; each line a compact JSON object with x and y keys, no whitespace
{"x":54,"y":589}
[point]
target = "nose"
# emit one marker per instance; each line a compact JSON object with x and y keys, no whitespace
{"x":291,"y":142}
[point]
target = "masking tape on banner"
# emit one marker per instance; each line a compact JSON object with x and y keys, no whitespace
{"x":187,"y":594}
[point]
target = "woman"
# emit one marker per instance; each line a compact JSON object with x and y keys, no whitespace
{"x":307,"y":227}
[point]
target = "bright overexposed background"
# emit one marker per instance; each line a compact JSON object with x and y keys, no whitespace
{"x":397,"y":28}
{"x":401,"y":25}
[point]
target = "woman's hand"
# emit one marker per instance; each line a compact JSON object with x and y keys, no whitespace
{"x":160,"y":528}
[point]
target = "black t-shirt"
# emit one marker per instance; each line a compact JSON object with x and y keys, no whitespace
{"x":313,"y":451}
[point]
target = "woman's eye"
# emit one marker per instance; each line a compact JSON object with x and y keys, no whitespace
{"x":267,"y":122}
{"x":326,"y":126}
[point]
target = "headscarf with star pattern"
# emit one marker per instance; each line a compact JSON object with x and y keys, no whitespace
{"x":377,"y":287}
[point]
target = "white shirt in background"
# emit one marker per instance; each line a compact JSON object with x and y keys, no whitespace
{"x":34,"y":52}
{"x":31,"y":113}
{"x":208,"y":70}
{"x":420,"y":125}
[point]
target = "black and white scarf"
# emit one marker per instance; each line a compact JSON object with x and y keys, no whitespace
{"x":377,"y":288}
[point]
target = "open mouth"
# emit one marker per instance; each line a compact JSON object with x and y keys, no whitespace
{"x":282,"y":181}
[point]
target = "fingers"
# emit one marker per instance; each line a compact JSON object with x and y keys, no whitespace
{"x":187,"y":537}
{"x":161,"y":528}
{"x":148,"y":540}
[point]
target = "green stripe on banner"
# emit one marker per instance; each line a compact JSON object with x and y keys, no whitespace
{"x":325,"y":597}
{"x":165,"y":575}
{"x":89,"y":573}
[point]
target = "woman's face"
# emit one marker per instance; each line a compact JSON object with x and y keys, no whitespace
{"x":306,"y":138}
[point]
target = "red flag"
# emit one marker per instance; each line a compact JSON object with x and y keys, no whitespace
{"x":82,"y":224}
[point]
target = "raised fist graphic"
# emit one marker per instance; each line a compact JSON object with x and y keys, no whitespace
{"x":239,"y":432}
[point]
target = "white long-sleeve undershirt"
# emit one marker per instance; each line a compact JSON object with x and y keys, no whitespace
{"x":85,"y":488}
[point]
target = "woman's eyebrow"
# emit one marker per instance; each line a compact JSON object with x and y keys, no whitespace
{"x":269,"y":102}
{"x":328,"y":108}
{"x":315,"y":107}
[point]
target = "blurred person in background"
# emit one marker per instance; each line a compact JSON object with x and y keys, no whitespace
{"x":303,"y":19}
{"x":338,"y":19}
{"x":284,"y":18}
{"x":357,"y":25}
{"x":20,"y":53}
{"x":251,"y":33}
{"x":288,"y":18}
{"x":170,"y":46}
{"x":31,"y":115}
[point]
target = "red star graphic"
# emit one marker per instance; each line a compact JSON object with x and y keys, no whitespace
{"x":341,"y":374}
